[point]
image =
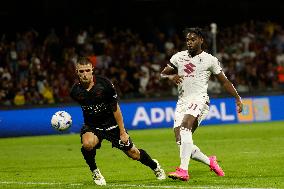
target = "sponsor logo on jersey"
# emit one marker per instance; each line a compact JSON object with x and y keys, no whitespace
{"x":189,"y":68}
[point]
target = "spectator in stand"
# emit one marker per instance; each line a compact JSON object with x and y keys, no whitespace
{"x":280,"y":72}
{"x":246,"y":50}
{"x":19,"y":98}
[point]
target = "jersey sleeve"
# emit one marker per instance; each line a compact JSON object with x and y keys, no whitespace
{"x":215,"y":66}
{"x":173,"y":62}
{"x":72,"y":92}
{"x":111,"y":96}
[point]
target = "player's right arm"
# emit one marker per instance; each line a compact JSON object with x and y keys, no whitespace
{"x":170,"y":73}
{"x":74,"y":92}
{"x":171,"y":70}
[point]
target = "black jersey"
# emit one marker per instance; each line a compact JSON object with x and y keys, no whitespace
{"x":98,"y":103}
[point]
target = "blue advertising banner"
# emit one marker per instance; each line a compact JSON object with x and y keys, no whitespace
{"x":142,"y":115}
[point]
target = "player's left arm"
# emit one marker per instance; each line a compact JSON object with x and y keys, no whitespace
{"x":229,"y":87}
{"x":119,"y":119}
{"x":112,"y":99}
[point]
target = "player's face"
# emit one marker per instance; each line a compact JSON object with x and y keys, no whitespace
{"x":193,"y":42}
{"x":85,"y":73}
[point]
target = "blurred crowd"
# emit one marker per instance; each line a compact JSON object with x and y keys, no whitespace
{"x":37,"y":68}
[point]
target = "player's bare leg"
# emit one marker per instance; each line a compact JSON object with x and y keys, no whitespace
{"x":144,"y":158}
{"x":186,"y":146}
{"x":196,"y":153}
{"x":211,"y":161}
{"x":89,"y":142}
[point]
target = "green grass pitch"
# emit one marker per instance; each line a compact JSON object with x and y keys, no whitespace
{"x":252,"y":156}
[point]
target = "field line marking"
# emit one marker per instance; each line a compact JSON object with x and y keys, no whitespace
{"x":122,"y":185}
{"x":39,"y":183}
{"x":171,"y":186}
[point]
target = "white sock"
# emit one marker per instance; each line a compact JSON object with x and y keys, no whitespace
{"x":197,"y":155}
{"x":185,"y":148}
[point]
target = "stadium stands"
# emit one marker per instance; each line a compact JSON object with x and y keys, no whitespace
{"x":38,"y":69}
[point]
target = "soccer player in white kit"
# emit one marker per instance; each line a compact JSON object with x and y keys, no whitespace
{"x":191,"y":70}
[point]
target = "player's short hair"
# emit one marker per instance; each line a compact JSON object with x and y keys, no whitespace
{"x":83,"y":60}
{"x":198,"y":31}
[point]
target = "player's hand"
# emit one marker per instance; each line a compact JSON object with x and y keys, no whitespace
{"x":239,"y":104}
{"x":124,"y":137}
{"x":177,"y":79}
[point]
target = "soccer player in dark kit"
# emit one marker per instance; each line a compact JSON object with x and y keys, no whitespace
{"x":103,"y":120}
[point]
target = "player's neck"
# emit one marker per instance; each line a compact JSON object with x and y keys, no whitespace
{"x":194,"y":53}
{"x":91,"y":85}
{"x":88,"y":86}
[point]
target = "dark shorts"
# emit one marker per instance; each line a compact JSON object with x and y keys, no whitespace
{"x":112,"y":135}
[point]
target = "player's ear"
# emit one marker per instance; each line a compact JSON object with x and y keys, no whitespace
{"x":76,"y":68}
{"x":93,"y":70}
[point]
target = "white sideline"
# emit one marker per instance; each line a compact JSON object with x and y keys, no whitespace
{"x":121,"y":185}
{"x":181,"y":187}
{"x":38,"y":183}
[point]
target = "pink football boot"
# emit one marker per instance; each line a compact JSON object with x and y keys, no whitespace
{"x":215,"y":167}
{"x":179,"y":174}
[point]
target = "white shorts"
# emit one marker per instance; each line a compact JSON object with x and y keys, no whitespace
{"x":195,"y":108}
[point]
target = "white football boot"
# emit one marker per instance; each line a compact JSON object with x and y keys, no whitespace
{"x":159,"y":172}
{"x":98,"y":177}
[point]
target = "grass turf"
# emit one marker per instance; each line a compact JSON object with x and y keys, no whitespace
{"x":252,"y":156}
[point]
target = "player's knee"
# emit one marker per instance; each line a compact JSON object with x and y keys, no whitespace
{"x":134,"y":154}
{"x":186,"y":135}
{"x":186,"y":124}
{"x":88,"y":145}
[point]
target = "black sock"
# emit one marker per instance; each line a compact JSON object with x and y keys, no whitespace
{"x":147,"y":160}
{"x":89,"y":156}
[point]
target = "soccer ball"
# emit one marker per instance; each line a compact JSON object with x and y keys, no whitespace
{"x":61,"y":120}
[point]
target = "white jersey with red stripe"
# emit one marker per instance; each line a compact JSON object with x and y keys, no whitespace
{"x":196,"y":73}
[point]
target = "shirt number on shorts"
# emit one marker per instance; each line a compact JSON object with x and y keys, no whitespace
{"x":123,"y":144}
